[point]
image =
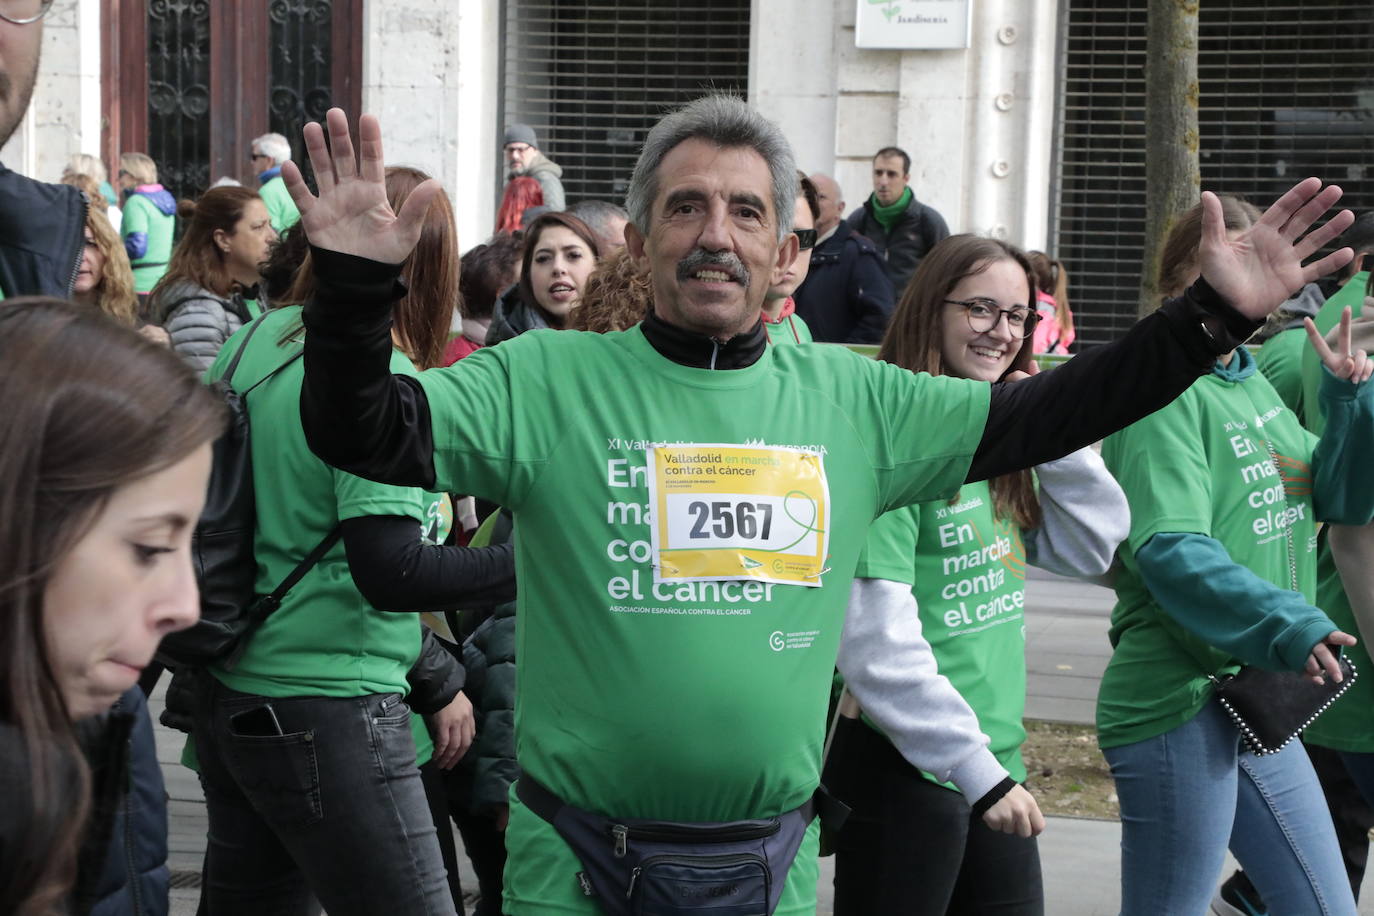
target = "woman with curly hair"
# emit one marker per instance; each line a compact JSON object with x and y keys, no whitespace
{"x":617,"y":296}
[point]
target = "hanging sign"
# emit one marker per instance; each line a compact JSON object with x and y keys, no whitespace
{"x":912,"y":24}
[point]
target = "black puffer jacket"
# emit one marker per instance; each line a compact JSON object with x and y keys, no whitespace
{"x":919,"y":229}
{"x":488,"y":768}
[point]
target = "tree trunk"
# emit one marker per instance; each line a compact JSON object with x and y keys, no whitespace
{"x":1173,"y":181}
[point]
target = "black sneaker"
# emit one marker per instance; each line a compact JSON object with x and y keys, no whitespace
{"x":1238,"y":897}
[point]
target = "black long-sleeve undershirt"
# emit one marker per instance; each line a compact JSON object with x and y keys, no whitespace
{"x":395,"y":571}
{"x":361,"y":418}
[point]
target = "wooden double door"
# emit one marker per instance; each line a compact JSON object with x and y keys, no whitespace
{"x":192,"y":82}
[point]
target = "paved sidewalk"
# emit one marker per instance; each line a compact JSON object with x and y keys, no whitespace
{"x":1067,"y":650}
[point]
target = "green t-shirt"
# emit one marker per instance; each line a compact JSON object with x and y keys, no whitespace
{"x":142,"y":215}
{"x":325,"y":639}
{"x":1280,"y":359}
{"x":281,"y":209}
{"x":693,"y":701}
{"x":1200,"y":465}
{"x":967,"y":570}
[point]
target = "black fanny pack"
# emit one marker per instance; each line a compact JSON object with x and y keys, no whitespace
{"x":639,"y":867}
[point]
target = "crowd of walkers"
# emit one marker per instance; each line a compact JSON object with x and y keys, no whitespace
{"x":586,"y":545}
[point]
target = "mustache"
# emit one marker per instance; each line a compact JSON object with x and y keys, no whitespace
{"x":721,"y":260}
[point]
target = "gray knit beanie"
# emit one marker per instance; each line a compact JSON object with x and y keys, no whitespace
{"x":521,"y":133}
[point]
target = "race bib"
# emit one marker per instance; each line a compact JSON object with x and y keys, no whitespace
{"x":738,"y":512}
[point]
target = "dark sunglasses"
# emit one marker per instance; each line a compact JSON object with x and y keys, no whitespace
{"x":806,"y":238}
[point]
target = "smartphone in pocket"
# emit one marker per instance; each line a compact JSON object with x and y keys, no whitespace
{"x":258,"y":722}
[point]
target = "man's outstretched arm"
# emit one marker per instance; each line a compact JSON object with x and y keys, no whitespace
{"x":1105,"y":389}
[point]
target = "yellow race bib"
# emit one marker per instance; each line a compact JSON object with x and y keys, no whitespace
{"x":738,"y":512}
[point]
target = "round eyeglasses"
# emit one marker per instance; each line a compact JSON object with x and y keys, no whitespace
{"x":22,"y":12}
{"x":984,"y":314}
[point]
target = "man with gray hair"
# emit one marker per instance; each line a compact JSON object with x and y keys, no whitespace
{"x":691,"y":504}
{"x":605,"y":219}
{"x":269,"y":153}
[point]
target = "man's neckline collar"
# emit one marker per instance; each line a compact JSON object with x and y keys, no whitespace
{"x":697,"y":351}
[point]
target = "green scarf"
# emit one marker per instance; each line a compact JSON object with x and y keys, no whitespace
{"x":887,"y":216}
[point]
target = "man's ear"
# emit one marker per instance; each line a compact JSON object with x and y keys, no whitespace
{"x":634,"y":243}
{"x":787,"y":254}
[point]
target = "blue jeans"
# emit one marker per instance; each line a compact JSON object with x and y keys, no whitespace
{"x":1189,"y":792}
{"x":315,"y":798}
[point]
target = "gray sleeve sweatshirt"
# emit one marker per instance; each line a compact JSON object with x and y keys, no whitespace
{"x":890,"y":668}
{"x":1084,"y":516}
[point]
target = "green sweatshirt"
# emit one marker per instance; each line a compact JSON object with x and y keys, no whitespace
{"x":1222,"y":516}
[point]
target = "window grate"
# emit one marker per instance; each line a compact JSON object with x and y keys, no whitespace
{"x":592,"y":78}
{"x":1287,"y":91}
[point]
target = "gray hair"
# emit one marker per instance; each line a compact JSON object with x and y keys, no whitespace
{"x":725,"y":121}
{"x":598,"y":215}
{"x":274,"y":145}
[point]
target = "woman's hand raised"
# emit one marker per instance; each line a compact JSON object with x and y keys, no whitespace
{"x":351,"y":214}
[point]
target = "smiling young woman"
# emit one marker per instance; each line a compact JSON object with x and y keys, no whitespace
{"x":959,"y":565}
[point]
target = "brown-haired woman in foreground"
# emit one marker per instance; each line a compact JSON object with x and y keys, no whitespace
{"x":101,"y":479}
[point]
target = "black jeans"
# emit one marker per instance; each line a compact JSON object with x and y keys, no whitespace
{"x":315,"y":798}
{"x":913,"y":847}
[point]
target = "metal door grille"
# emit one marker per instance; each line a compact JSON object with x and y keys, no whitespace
{"x":592,"y":78}
{"x":1287,"y":90}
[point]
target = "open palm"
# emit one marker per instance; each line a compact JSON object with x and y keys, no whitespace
{"x":351,"y":214}
{"x":1260,"y":268}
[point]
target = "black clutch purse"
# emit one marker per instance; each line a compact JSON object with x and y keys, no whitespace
{"x":1271,"y":708}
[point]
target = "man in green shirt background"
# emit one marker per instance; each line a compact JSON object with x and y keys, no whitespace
{"x":268,"y":153}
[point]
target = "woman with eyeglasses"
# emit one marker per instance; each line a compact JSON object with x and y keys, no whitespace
{"x":962,"y":841}
{"x":780,"y":319}
{"x":1219,"y":570}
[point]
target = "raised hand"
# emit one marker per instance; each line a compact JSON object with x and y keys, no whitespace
{"x":351,"y":214}
{"x":1262,"y":267}
{"x":1343,"y":362}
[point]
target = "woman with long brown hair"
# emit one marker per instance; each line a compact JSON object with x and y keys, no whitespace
{"x":914,"y":844}
{"x":101,"y":479}
{"x":305,"y":745}
{"x":560,"y":253}
{"x":210,"y":288}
